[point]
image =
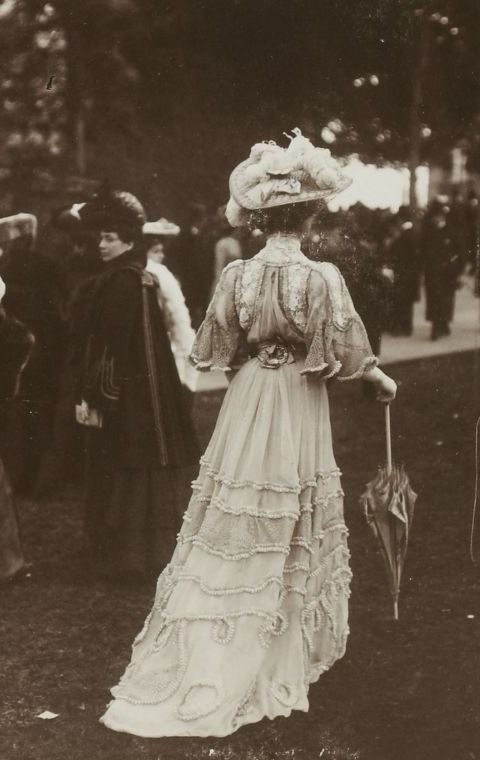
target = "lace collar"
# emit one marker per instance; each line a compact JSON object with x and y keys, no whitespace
{"x":281,"y":249}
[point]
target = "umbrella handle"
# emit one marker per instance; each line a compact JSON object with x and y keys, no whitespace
{"x":395,"y":609}
{"x":388,"y":437}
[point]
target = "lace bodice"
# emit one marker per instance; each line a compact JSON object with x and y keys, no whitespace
{"x":280,"y":294}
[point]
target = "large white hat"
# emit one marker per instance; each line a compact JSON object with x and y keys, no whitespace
{"x":275,"y":176}
{"x":162,"y":227}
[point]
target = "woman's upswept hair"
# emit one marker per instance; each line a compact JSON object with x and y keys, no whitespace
{"x":288,"y":218}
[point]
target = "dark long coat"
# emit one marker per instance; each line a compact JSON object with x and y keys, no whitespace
{"x":140,"y":462}
{"x":129,"y":372}
{"x":442,"y":264}
{"x":403,"y":258}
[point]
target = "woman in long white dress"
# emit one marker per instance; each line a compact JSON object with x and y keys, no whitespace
{"x":253,"y":607}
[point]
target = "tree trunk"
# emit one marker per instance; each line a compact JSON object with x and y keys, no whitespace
{"x":80,"y":142}
{"x":77,"y":44}
{"x":417,"y":105}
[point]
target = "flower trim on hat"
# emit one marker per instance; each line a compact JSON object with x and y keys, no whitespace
{"x":236,"y":215}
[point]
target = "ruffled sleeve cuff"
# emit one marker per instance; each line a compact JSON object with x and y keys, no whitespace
{"x":214,"y":347}
{"x":344,"y":353}
{"x":207,"y":366}
{"x":327,"y":371}
{"x":218,"y":337}
{"x":367,"y":364}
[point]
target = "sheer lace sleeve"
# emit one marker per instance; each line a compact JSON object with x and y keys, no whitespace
{"x":337,"y":341}
{"x":219,"y":336}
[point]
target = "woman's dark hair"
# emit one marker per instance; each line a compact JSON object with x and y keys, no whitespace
{"x":126,"y":233}
{"x":287,"y":218}
{"x":131,"y":235}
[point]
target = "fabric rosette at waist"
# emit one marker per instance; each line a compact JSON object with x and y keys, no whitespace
{"x":274,"y":353}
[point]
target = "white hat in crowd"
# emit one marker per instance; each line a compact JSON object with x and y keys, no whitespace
{"x":161,"y":228}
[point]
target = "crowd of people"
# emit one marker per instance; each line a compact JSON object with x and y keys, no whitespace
{"x":383,"y":256}
{"x":100,"y":331}
{"x":386,"y":258}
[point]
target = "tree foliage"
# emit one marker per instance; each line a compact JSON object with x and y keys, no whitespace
{"x":164,"y":96}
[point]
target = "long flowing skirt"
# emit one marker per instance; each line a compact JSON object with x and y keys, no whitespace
{"x":132,"y":517}
{"x":253,"y":606}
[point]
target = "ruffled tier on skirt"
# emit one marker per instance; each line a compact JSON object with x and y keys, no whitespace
{"x":254,"y":604}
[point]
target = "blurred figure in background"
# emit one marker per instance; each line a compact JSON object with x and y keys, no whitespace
{"x":340,"y":239}
{"x":194,"y":261}
{"x":34,"y":297}
{"x":402,"y":253}
{"x":16,"y":344}
{"x":170,"y":298}
{"x":442,"y":264}
{"x":79,"y":262}
{"x":157,"y":235}
{"x":472,"y":215}
{"x":227,"y":248}
{"x":79,"y":255}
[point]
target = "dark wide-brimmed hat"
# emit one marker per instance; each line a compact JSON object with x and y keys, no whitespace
{"x":114,"y":210}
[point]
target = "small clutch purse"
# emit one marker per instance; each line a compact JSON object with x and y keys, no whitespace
{"x":86,"y":416}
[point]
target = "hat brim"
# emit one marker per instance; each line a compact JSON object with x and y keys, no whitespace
{"x":237,"y":191}
{"x":152,"y":229}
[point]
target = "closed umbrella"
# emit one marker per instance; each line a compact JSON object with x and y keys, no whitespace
{"x":389,"y":503}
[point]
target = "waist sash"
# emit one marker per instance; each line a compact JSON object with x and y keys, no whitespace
{"x":272,"y":354}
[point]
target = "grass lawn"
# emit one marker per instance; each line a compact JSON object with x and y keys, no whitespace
{"x":405,"y":691}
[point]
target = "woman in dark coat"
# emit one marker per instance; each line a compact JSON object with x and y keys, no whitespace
{"x":141,"y":440}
